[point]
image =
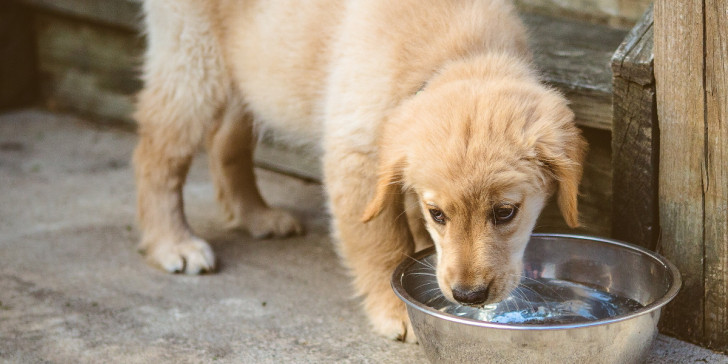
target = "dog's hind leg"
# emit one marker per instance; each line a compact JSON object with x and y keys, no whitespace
{"x":230,"y":148}
{"x":184,"y":92}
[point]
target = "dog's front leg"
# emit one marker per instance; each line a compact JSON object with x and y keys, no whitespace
{"x":371,"y":251}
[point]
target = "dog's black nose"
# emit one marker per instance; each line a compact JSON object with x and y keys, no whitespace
{"x":471,"y":297}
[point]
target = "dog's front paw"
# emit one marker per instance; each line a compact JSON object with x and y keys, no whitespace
{"x":189,"y":256}
{"x":394,"y":324}
{"x":269,"y":223}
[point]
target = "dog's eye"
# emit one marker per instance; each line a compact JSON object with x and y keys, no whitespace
{"x":504,"y":212}
{"x":438,"y":216}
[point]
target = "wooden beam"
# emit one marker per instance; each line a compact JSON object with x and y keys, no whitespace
{"x":118,"y":13}
{"x":635,"y":139}
{"x":88,"y":69}
{"x":716,"y":174}
{"x":691,"y":78}
{"x":680,"y":102}
{"x":574,"y":57}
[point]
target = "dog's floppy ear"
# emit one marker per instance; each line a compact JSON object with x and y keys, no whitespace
{"x":562,"y":151}
{"x":389,"y":185}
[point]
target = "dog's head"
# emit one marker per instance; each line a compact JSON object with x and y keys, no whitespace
{"x":483,"y":159}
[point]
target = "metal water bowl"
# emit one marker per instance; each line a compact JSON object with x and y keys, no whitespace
{"x":563,"y":311}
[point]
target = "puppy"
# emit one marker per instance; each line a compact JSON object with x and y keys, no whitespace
{"x":433,"y":125}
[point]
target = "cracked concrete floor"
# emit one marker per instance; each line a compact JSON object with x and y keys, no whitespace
{"x":74,"y":290}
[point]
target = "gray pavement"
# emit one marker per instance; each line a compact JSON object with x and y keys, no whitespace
{"x":74,"y":290}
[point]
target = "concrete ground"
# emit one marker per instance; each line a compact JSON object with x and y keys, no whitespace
{"x":74,"y":290}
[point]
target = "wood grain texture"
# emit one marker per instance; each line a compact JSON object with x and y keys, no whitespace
{"x":634,"y":58}
{"x":680,"y":105}
{"x":692,"y":107}
{"x":574,"y":57}
{"x":619,"y":13}
{"x":303,"y":164}
{"x":88,"y":69}
{"x":119,"y":13}
{"x":635,"y":139}
{"x":716,"y":174}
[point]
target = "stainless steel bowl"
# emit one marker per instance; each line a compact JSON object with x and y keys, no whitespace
{"x":610,"y":266}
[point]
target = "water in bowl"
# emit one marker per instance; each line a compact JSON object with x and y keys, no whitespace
{"x":543,"y":301}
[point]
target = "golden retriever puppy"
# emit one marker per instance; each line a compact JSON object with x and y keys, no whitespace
{"x":433,"y":125}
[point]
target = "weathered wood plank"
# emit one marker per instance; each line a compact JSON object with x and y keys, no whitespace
{"x":574,"y":57}
{"x":716,"y":174}
{"x":635,"y":139}
{"x":619,"y":13}
{"x":692,"y":107}
{"x":88,"y":69}
{"x":18,"y":81}
{"x":118,"y":13}
{"x":634,"y":59}
{"x":680,"y":106}
{"x":300,"y":163}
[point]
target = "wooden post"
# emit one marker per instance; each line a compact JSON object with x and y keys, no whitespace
{"x":716,"y":175}
{"x":635,"y":138}
{"x":691,"y":72}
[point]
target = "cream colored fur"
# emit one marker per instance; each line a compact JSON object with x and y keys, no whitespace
{"x":414,"y":103}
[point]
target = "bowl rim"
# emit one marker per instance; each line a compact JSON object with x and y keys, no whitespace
{"x":672,"y":291}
